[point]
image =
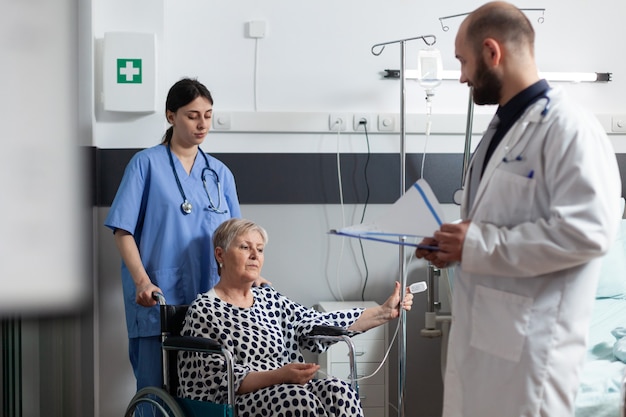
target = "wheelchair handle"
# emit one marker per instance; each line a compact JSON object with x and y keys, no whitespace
{"x":159,"y":297}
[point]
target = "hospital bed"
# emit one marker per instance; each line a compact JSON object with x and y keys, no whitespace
{"x":601,"y":392}
{"x":163,"y":401}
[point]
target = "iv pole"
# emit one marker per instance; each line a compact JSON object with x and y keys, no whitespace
{"x":402,"y":259}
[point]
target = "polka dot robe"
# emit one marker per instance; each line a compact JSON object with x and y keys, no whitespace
{"x":263,"y":337}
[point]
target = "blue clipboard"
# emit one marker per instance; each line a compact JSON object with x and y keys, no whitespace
{"x":415,"y":215}
{"x":378,"y":237}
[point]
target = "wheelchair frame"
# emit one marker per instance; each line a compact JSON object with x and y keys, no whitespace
{"x":165,"y":399}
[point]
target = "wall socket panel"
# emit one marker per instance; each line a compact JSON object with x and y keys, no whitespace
{"x":338,"y":122}
{"x":222,"y":121}
{"x":618,"y":123}
{"x":386,"y":122}
{"x":356,"y":122}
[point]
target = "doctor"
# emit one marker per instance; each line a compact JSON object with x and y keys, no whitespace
{"x":541,"y":205}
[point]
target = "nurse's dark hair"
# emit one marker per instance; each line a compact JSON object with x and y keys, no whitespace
{"x":503,"y":22}
{"x":232,"y":228}
{"x":182,"y":93}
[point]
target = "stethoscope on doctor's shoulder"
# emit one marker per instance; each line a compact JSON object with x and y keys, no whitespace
{"x":508,"y":152}
{"x":186,"y":206}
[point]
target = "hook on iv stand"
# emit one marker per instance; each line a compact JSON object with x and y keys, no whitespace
{"x":383,"y":44}
{"x":378,"y":49}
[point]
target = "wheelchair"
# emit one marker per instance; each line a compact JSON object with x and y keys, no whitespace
{"x":163,"y":401}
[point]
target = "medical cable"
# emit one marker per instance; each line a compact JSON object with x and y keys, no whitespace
{"x":384,"y":357}
{"x":367,"y":198}
{"x":256,"y":73}
{"x":429,"y":109}
{"x":343,"y":216}
{"x":416,"y":287}
{"x":382,"y":362}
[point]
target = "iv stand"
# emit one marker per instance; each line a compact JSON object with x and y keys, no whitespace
{"x":402,"y":259}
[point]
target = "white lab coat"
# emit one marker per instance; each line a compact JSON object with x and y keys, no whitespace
{"x":524,"y":290}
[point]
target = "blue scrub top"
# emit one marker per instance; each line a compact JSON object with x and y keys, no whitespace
{"x":176,"y":249}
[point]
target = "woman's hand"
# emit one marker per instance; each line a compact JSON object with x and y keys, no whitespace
{"x":375,"y":316}
{"x":292,"y":373}
{"x":260,"y":281}
{"x":391,"y":305}
{"x":144,"y":294}
{"x":298,"y":373}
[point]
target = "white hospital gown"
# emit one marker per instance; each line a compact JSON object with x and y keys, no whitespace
{"x":263,"y":337}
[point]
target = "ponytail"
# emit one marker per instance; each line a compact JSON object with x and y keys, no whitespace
{"x":167,"y":137}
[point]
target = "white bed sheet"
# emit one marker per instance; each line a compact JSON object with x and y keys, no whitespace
{"x":599,"y":392}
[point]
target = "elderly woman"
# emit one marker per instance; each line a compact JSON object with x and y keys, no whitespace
{"x":264,"y":331}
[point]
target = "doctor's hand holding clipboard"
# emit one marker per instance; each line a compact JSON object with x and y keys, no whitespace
{"x":449,"y":239}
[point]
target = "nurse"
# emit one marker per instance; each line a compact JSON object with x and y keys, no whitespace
{"x":540,"y":207}
{"x":171,"y":199}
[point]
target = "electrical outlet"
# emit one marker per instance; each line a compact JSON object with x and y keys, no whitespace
{"x":337,"y":122}
{"x":256,"y":29}
{"x":221,"y":121}
{"x":386,"y":122}
{"x":358,"y":117}
{"x":618,"y":123}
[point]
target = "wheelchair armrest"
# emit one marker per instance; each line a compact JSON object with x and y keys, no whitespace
{"x":200,"y":345}
{"x":324,"y":330}
{"x":190,"y":343}
{"x":335,"y":334}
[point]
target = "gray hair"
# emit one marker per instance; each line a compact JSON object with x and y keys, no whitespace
{"x":232,"y":228}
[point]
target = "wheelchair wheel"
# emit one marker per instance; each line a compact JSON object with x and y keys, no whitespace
{"x":153,"y":401}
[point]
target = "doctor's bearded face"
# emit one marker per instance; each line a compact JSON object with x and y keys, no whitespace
{"x":487,"y":86}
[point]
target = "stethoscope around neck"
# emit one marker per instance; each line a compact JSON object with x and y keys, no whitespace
{"x":509,"y":154}
{"x":186,"y":206}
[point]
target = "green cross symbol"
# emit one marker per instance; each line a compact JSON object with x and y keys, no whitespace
{"x":129,"y":71}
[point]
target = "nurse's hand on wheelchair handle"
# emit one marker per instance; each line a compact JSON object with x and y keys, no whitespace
{"x":143,"y":294}
{"x":158,"y":297}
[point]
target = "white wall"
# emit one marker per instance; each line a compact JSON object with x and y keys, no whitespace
{"x":314,"y":60}
{"x":316,"y":57}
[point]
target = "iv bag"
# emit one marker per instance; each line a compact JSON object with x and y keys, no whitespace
{"x":429,"y":68}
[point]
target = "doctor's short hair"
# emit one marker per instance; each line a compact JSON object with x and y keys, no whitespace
{"x":232,"y":228}
{"x":182,"y":93}
{"x":501,"y":21}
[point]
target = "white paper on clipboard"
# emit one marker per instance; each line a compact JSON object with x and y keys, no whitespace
{"x":415,"y":215}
